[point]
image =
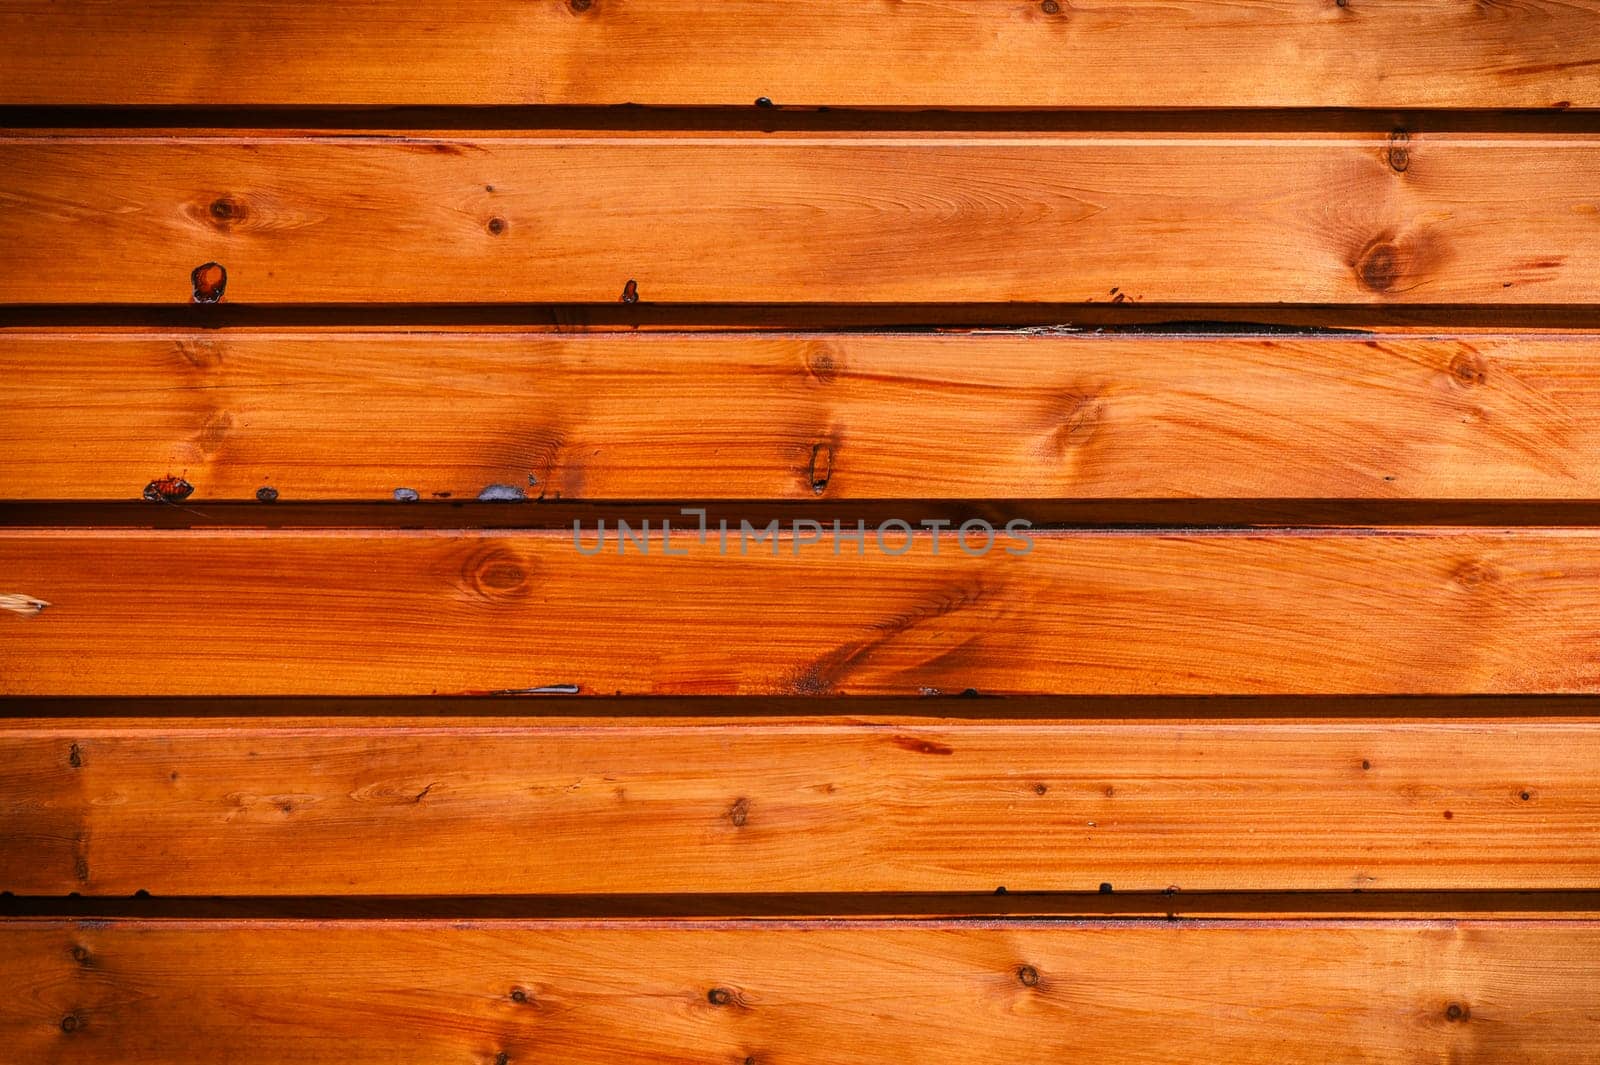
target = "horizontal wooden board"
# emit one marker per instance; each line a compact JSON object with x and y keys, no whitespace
{"x":298,"y":416}
{"x":116,"y":612}
{"x":928,"y":53}
{"x":841,"y":993}
{"x":801,"y":218}
{"x":525,"y":806}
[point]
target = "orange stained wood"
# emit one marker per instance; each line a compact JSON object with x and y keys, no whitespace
{"x":1280,"y":746}
{"x":108,"y":612}
{"x":1468,"y":218}
{"x":360,"y":416}
{"x":837,"y":992}
{"x":528,"y":806}
{"x":907,"y":53}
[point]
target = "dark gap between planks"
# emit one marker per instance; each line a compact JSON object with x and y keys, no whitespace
{"x":1185,"y":517}
{"x":1173,"y":904}
{"x":1132,"y":319}
{"x":512,"y":708}
{"x":781,"y":118}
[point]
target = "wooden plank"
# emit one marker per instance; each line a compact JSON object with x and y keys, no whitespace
{"x":801,"y":217}
{"x":267,"y":612}
{"x":927,"y":53}
{"x":290,"y":992}
{"x":298,"y":416}
{"x":527,"y":806}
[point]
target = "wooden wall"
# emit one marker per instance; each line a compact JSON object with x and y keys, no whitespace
{"x":1268,"y":732}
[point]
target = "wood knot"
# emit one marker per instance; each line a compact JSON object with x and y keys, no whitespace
{"x":630,"y":292}
{"x":214,"y":432}
{"x":1378,"y":268}
{"x":1455,"y":1012}
{"x":198,"y":353}
{"x":266,"y":494}
{"x":823,"y":365}
{"x":1050,"y":7}
{"x":210,"y":280}
{"x":496,"y":573}
{"x":1027,"y":976}
{"x":739,"y":812}
{"x":496,"y":226}
{"x":1474,"y":574}
{"x":580,"y":6}
{"x":1398,"y":153}
{"x":1469,"y":369}
{"x":721,"y":996}
{"x":1073,"y":416}
{"x":225,"y":212}
{"x":71,"y":1023}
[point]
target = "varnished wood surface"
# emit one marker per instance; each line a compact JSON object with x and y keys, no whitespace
{"x":910,"y":53}
{"x":819,"y":992}
{"x":117,"y":612}
{"x":527,"y":806}
{"x":518,"y":866}
{"x":303,"y":416}
{"x":801,"y":218}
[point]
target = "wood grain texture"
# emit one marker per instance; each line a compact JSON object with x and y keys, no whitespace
{"x":787,"y":877}
{"x":356,"y":416}
{"x":527,"y":806}
{"x":802,"y":218}
{"x":840,"y":993}
{"x":909,"y":53}
{"x":109,"y":612}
